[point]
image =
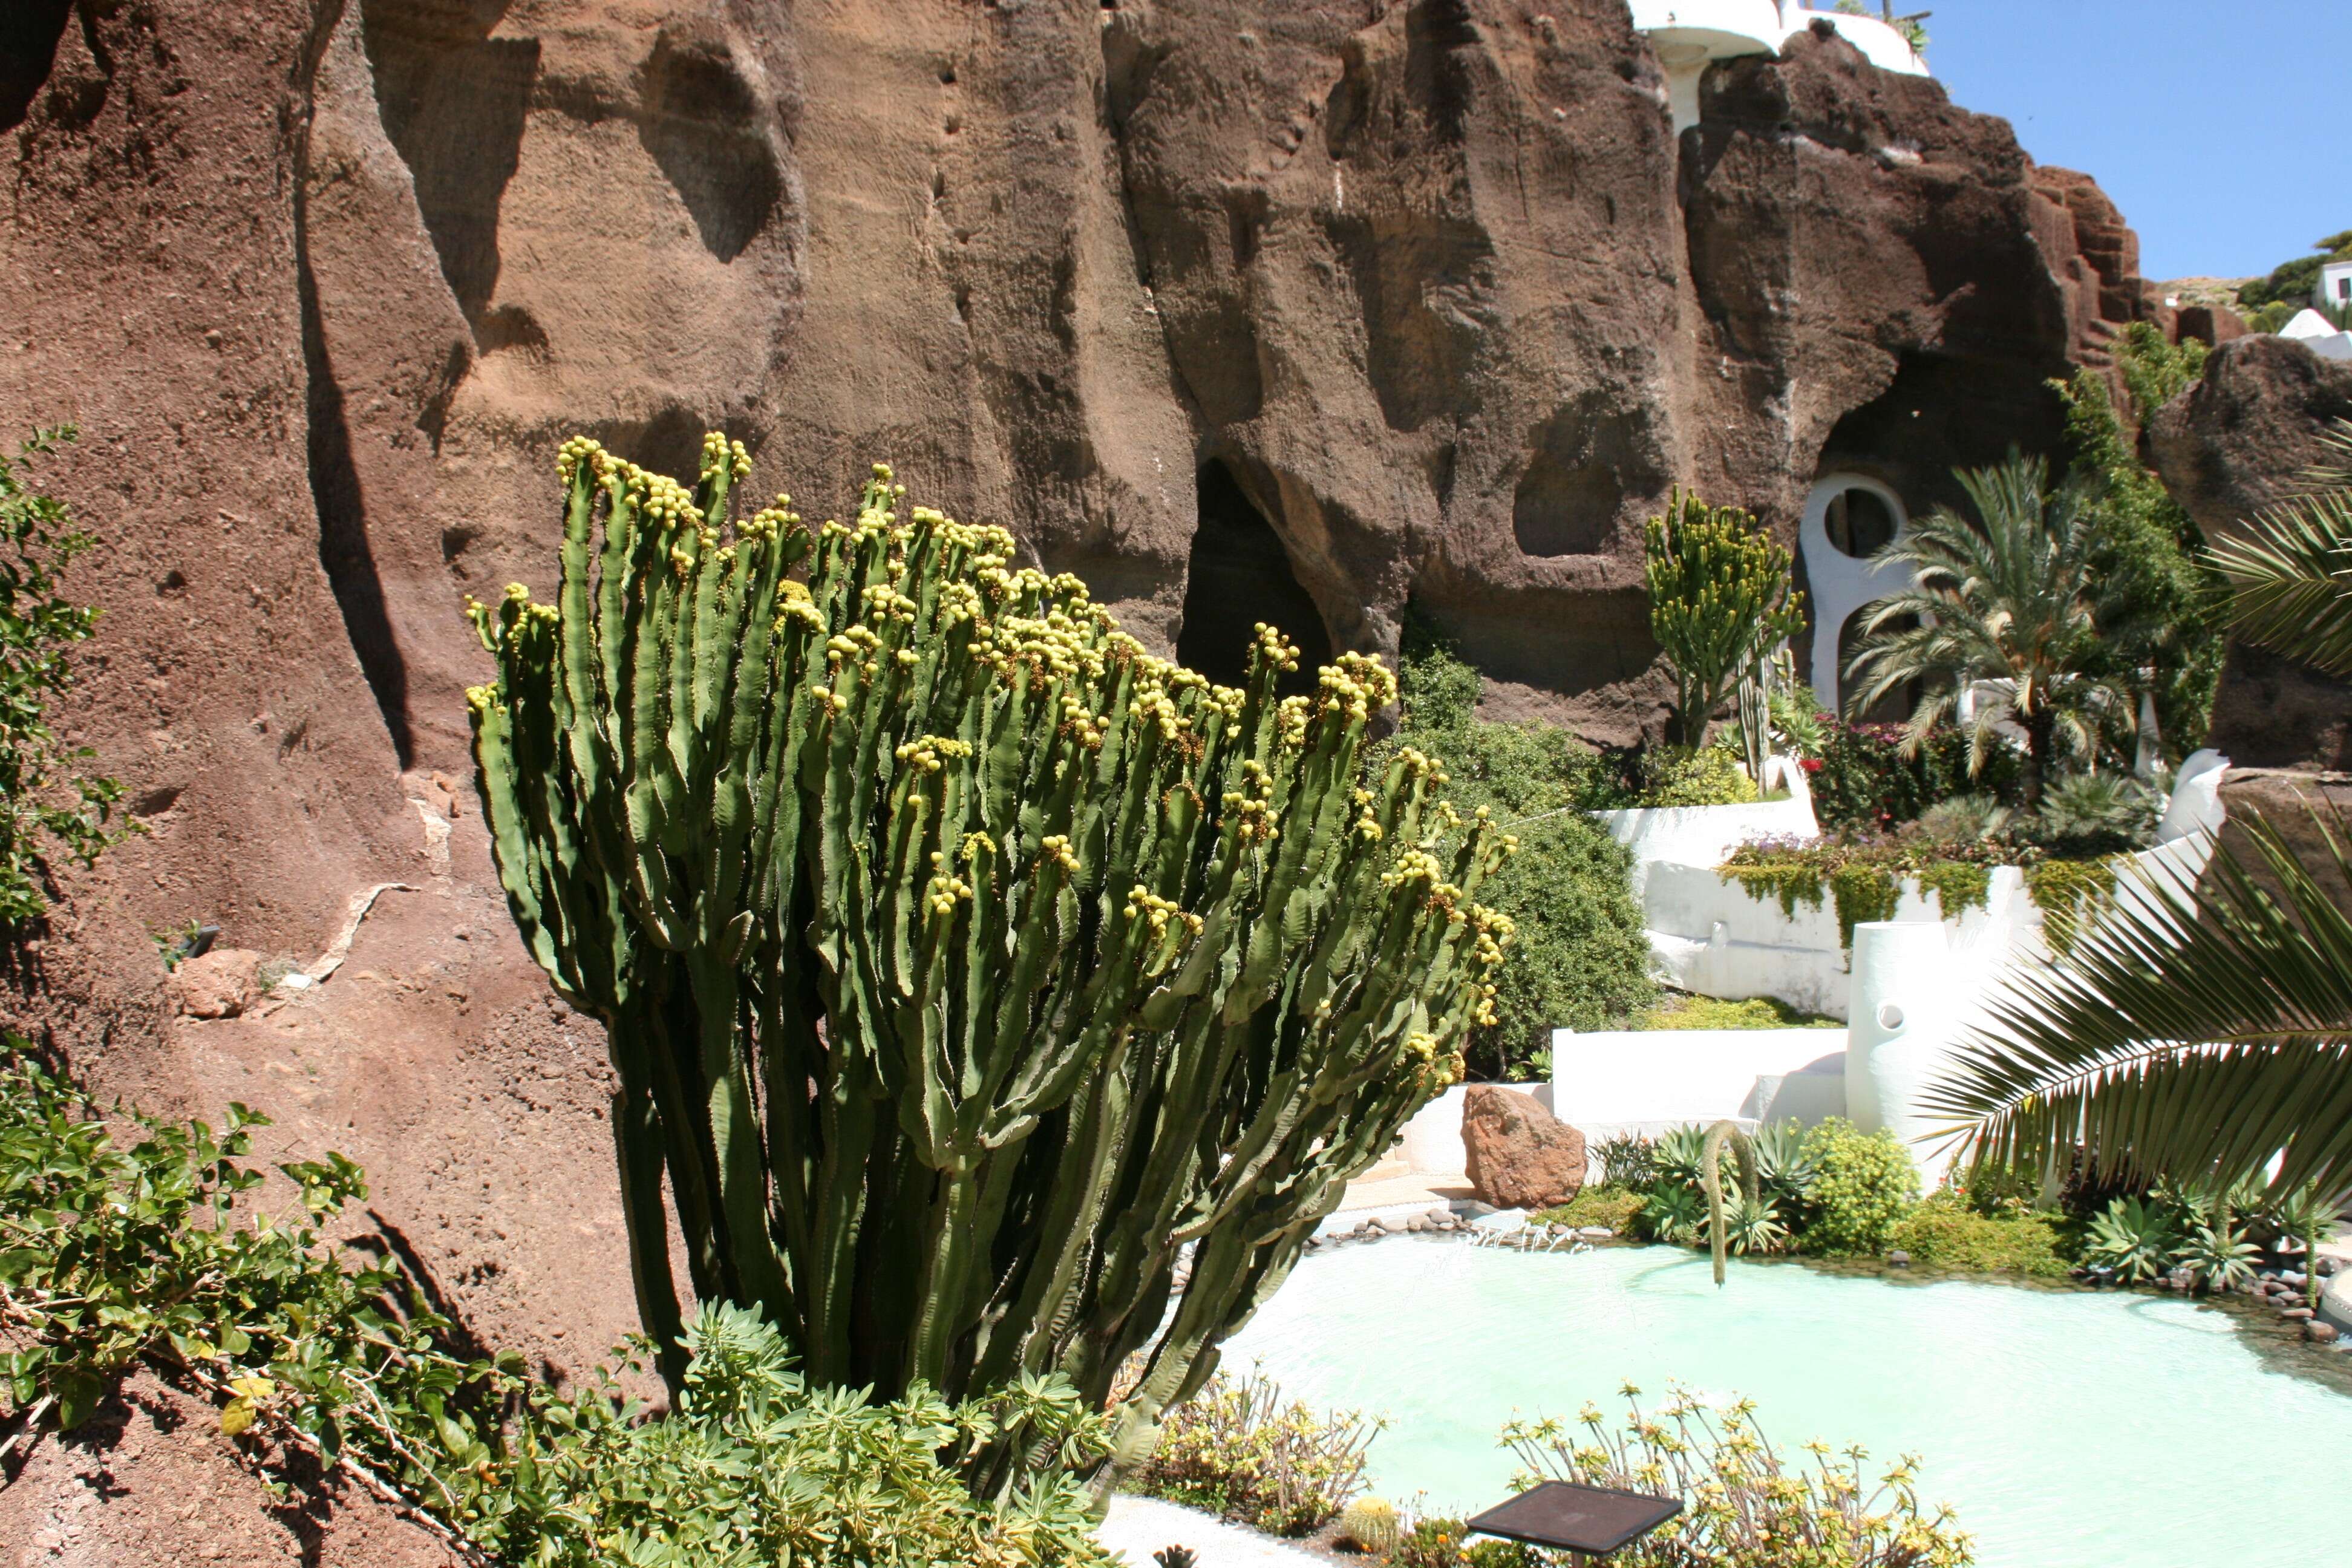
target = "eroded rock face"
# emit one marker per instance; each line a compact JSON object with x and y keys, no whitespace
{"x":1519,"y":1154}
{"x":1328,"y":312}
{"x":2242,"y":438}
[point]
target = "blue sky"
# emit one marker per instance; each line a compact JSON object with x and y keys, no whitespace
{"x":2204,"y":120}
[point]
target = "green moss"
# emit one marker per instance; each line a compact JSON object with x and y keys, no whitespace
{"x":1945,"y":1233}
{"x":1684,"y":1012}
{"x":2064,"y":890}
{"x":1863,"y":880}
{"x":1606,"y":1205}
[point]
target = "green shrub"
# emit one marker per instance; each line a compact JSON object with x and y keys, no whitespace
{"x":1866,"y":784}
{"x":1680,"y":1011}
{"x":1945,"y":1233}
{"x":1239,"y":1448}
{"x":1614,"y":1206}
{"x":1866,"y":1183}
{"x":116,"y":1256}
{"x":46,"y":801}
{"x":1629,"y":1161}
{"x":1580,"y":958}
{"x":1743,"y":1502}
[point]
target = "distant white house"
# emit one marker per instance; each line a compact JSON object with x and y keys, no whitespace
{"x":2318,"y":334}
{"x":2334,"y":285}
{"x":1689,"y":35}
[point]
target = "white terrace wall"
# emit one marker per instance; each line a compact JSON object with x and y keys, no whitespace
{"x":1612,"y":1082}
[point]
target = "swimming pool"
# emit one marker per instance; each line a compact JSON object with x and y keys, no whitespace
{"x":2066,"y":1428}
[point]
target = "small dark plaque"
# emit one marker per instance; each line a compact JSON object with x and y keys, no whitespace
{"x":1579,"y":1518}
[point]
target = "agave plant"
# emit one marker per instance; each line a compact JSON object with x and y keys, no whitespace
{"x":1786,"y":1166}
{"x":1674,"y":1213}
{"x":2135,"y":1237}
{"x":2218,"y":1254}
{"x":1676,"y":1154}
{"x":1963,"y":819}
{"x":1752,"y":1226}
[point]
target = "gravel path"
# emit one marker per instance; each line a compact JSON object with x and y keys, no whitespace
{"x":1139,"y":1526}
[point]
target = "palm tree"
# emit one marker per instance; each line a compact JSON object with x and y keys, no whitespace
{"x":2201,"y":1038}
{"x":2007,"y":609}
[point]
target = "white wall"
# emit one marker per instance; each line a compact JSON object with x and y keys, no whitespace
{"x":1707,"y":834}
{"x":1837,"y":583}
{"x":1617,"y":1081}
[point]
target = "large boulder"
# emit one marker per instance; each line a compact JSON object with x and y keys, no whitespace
{"x":1519,"y":1155}
{"x":2242,"y":438}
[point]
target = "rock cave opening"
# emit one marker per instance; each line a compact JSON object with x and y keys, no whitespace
{"x":453,"y":101}
{"x":1239,"y":575}
{"x":29,"y":31}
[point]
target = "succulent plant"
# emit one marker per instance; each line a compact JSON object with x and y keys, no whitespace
{"x":960,"y":961}
{"x":1374,"y":1525}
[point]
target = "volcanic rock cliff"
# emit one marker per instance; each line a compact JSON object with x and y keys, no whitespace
{"x":1297,"y":310}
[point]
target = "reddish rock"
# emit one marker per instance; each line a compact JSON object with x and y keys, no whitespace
{"x":1519,"y":1154}
{"x":221,"y":983}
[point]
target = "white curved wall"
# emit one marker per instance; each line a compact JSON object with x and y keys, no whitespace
{"x":1690,"y":33}
{"x":1838,"y":584}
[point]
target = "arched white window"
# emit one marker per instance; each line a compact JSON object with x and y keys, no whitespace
{"x":1849,"y":517}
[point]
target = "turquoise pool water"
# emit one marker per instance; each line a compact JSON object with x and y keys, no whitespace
{"x":2069,"y":1430}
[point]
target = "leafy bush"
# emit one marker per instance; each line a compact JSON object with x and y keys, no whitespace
{"x":1629,"y":1161}
{"x":1580,"y":958}
{"x":2149,"y":548}
{"x":116,"y":1256}
{"x":2091,"y":814}
{"x":1866,"y":1183}
{"x":1674,"y":1213}
{"x":1946,"y":1233}
{"x":1743,"y":1502}
{"x":1239,"y":1448}
{"x":45,"y":799}
{"x":1682,"y":1011}
{"x":1866,"y":785}
{"x":1604,"y":1205}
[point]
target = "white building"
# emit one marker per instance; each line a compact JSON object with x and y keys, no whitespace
{"x":2335,"y":284}
{"x":1689,"y":35}
{"x":2318,"y":334}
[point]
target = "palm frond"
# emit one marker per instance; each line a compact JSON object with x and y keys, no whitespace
{"x":2290,"y":580}
{"x":2188,"y":1038}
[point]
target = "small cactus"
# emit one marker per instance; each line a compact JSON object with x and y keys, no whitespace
{"x":1371,"y":1524}
{"x":1176,"y":1557}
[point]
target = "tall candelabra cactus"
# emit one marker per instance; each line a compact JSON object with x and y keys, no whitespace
{"x":1719,"y":603}
{"x":993,"y":998}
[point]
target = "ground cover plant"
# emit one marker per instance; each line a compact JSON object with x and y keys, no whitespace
{"x":158,"y":1254}
{"x":1745,"y":1502}
{"x":963,"y":963}
{"x":1683,"y":1010}
{"x":1580,"y":957}
{"x":49,"y":802}
{"x":1241,"y":1449}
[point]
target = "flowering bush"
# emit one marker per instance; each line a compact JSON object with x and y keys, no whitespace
{"x":1745,"y":1504}
{"x":1865,"y":783}
{"x":1239,"y":1448}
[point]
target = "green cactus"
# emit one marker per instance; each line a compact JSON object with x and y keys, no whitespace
{"x":964,"y":965}
{"x":1719,"y":602}
{"x":1372,"y":1524}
